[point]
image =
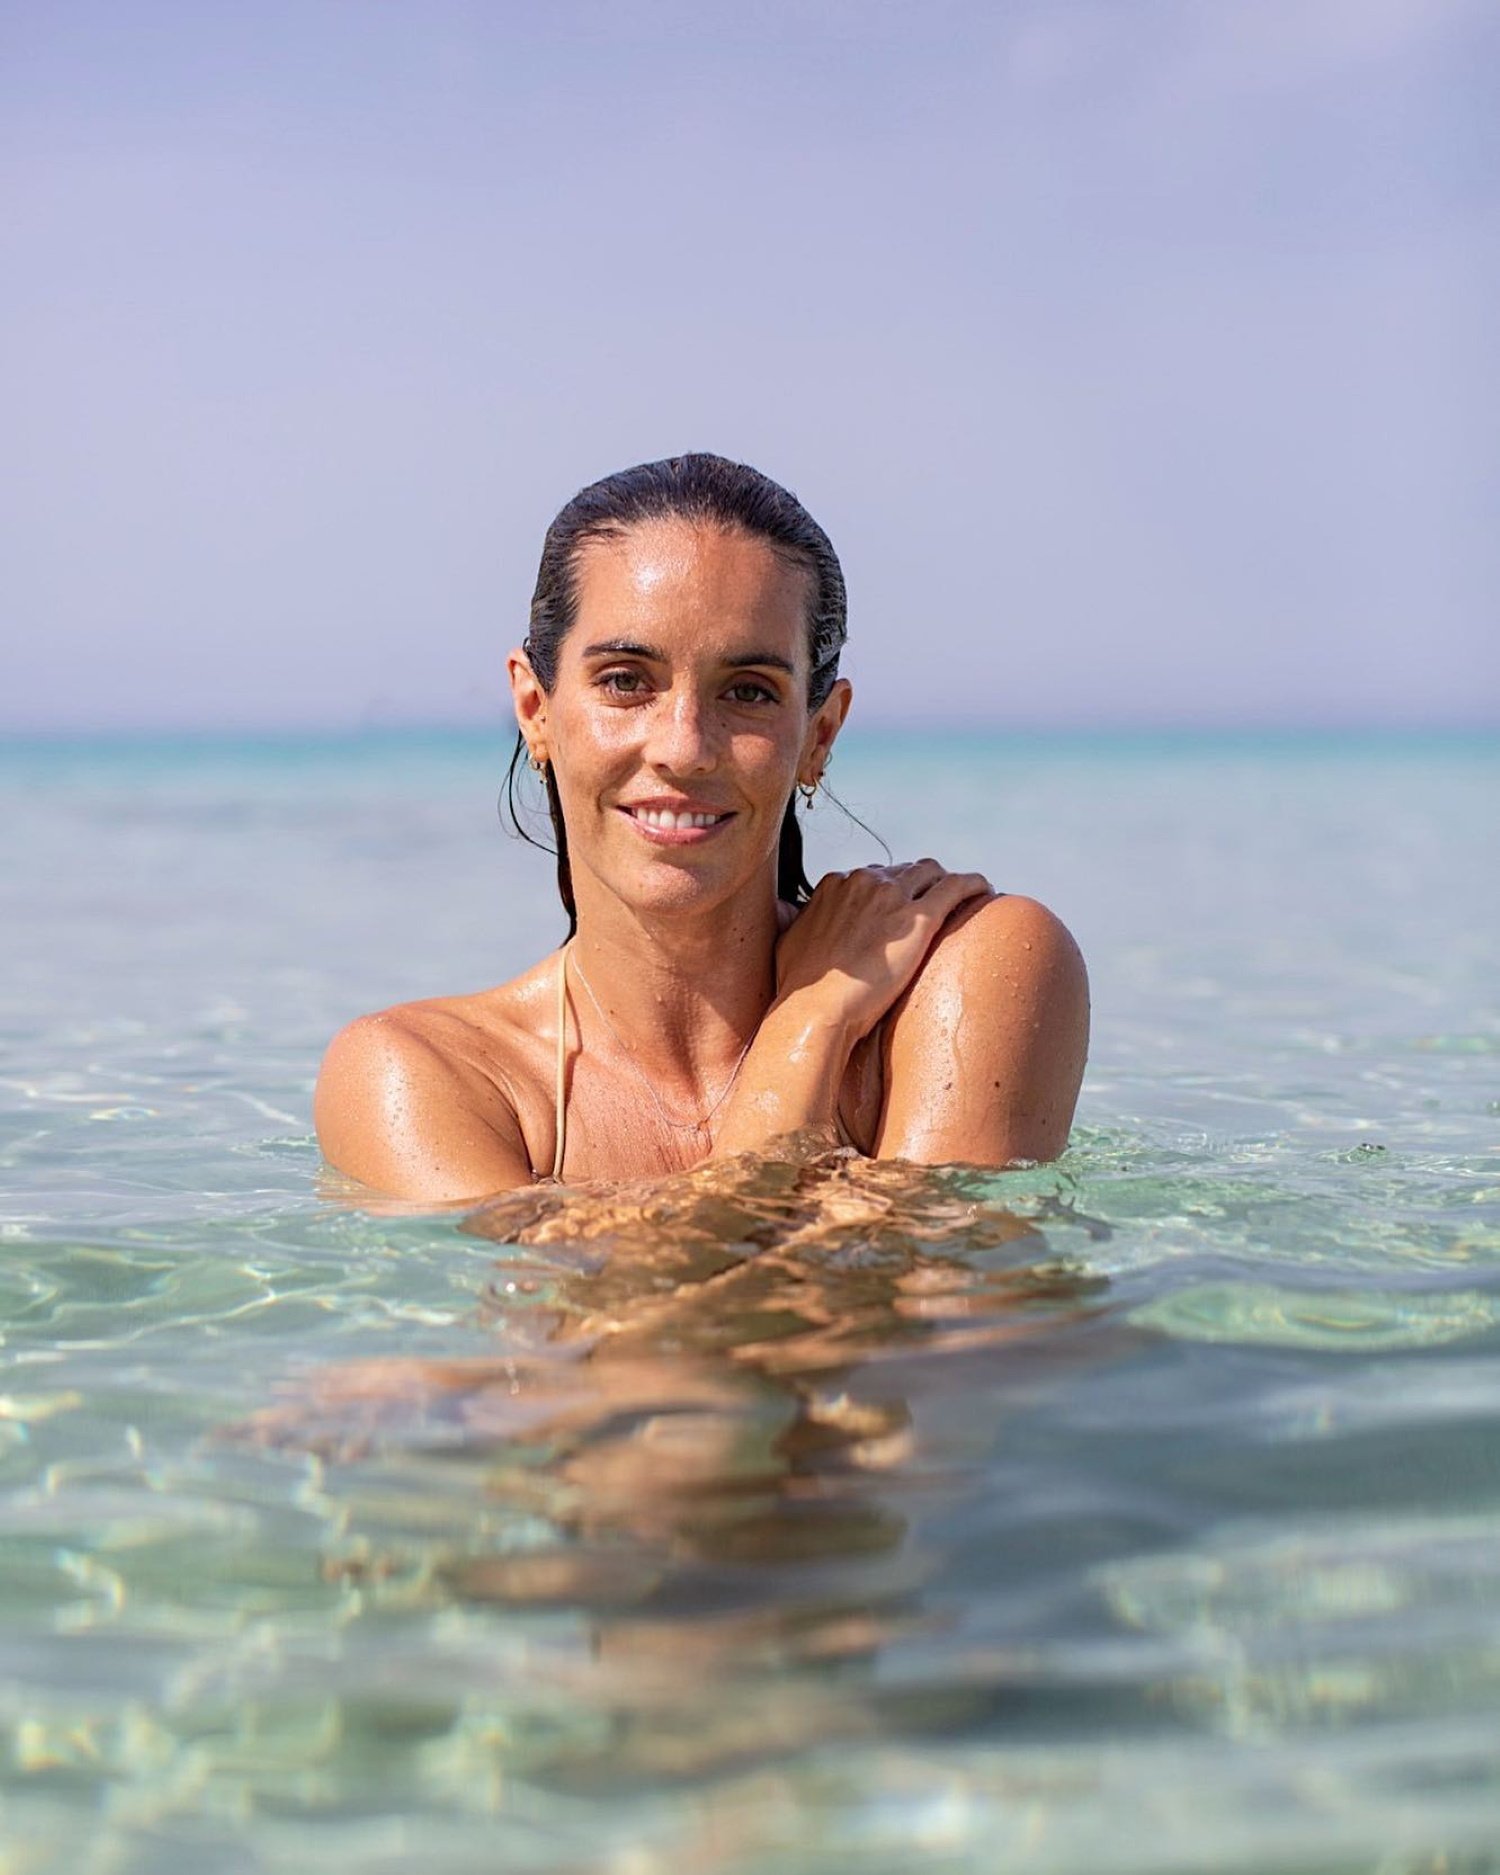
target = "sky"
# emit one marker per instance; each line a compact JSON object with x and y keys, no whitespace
{"x":1138,"y":355}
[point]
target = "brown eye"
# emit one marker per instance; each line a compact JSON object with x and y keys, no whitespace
{"x":750,"y":690}
{"x":621,"y":683}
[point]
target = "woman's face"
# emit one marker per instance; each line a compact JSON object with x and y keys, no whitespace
{"x":678,"y":724}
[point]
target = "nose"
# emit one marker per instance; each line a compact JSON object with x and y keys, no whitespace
{"x":684,"y":736}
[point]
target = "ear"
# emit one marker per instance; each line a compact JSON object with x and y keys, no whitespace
{"x":827,"y":720}
{"x":530,"y":701}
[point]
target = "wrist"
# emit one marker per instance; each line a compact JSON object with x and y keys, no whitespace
{"x":805,"y":1020}
{"x":792,"y":1075}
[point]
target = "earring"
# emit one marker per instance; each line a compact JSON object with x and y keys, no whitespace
{"x":809,"y":792}
{"x":537,"y":764}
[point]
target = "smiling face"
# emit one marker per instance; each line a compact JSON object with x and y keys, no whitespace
{"x":678,"y":723}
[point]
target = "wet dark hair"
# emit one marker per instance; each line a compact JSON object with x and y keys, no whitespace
{"x":719,"y":493}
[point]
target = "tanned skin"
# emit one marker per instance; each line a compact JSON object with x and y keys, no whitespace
{"x":911,"y":1010}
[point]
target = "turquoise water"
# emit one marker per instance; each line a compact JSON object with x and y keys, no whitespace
{"x":1137,"y":1513}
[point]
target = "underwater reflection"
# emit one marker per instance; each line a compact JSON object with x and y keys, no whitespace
{"x":704,"y":1412}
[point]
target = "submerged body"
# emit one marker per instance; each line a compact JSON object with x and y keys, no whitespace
{"x":673,"y":704}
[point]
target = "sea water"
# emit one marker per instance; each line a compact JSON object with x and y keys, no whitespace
{"x":1140,"y":1512}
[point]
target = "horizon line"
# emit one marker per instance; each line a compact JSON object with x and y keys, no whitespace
{"x":887,"y":727}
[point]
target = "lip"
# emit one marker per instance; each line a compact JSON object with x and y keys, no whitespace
{"x":675,"y":836}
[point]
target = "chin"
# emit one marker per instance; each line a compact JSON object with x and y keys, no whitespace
{"x":684,"y":893}
{"x":663,"y":889}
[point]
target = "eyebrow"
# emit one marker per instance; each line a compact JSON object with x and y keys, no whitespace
{"x":741,"y":660}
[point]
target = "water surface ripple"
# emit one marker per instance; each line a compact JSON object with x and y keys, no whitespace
{"x":1137,"y":1513}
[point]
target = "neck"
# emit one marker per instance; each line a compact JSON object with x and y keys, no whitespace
{"x":685,"y":990}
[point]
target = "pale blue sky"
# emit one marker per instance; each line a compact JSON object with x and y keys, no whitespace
{"x":1137,"y":354}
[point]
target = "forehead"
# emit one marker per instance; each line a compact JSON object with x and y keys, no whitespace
{"x":694,"y":582}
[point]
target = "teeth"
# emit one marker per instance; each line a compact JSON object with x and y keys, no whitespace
{"x":664,"y":817}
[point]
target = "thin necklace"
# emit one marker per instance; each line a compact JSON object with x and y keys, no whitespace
{"x":680,"y":1126}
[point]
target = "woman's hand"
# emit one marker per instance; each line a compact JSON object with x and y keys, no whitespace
{"x":861,"y":939}
{"x":841,"y":962}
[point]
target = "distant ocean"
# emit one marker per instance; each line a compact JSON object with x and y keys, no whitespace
{"x":1147,"y":1520}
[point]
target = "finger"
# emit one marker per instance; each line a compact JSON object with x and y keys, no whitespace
{"x":924,"y":875}
{"x":914,"y":876}
{"x":954,"y":889}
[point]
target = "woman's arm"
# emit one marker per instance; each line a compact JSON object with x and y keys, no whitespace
{"x":397,"y":1112}
{"x":984,"y":1053}
{"x":791,"y":1077}
{"x":854,"y":949}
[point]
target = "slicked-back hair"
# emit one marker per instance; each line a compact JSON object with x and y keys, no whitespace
{"x":712,"y":491}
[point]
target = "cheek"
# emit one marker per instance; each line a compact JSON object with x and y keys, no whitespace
{"x":588,"y":738}
{"x":767,"y":759}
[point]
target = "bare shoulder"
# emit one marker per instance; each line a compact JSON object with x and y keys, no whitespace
{"x":1028,"y":947}
{"x":414,"y":1101}
{"x":985,"y":1052}
{"x":409,"y":1043}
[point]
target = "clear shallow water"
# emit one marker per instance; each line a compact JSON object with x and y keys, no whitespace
{"x":1137,"y":1513}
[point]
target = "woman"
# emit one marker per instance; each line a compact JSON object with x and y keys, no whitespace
{"x":679,"y":687}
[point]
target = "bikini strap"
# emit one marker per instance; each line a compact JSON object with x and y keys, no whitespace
{"x":561,"y":1091}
